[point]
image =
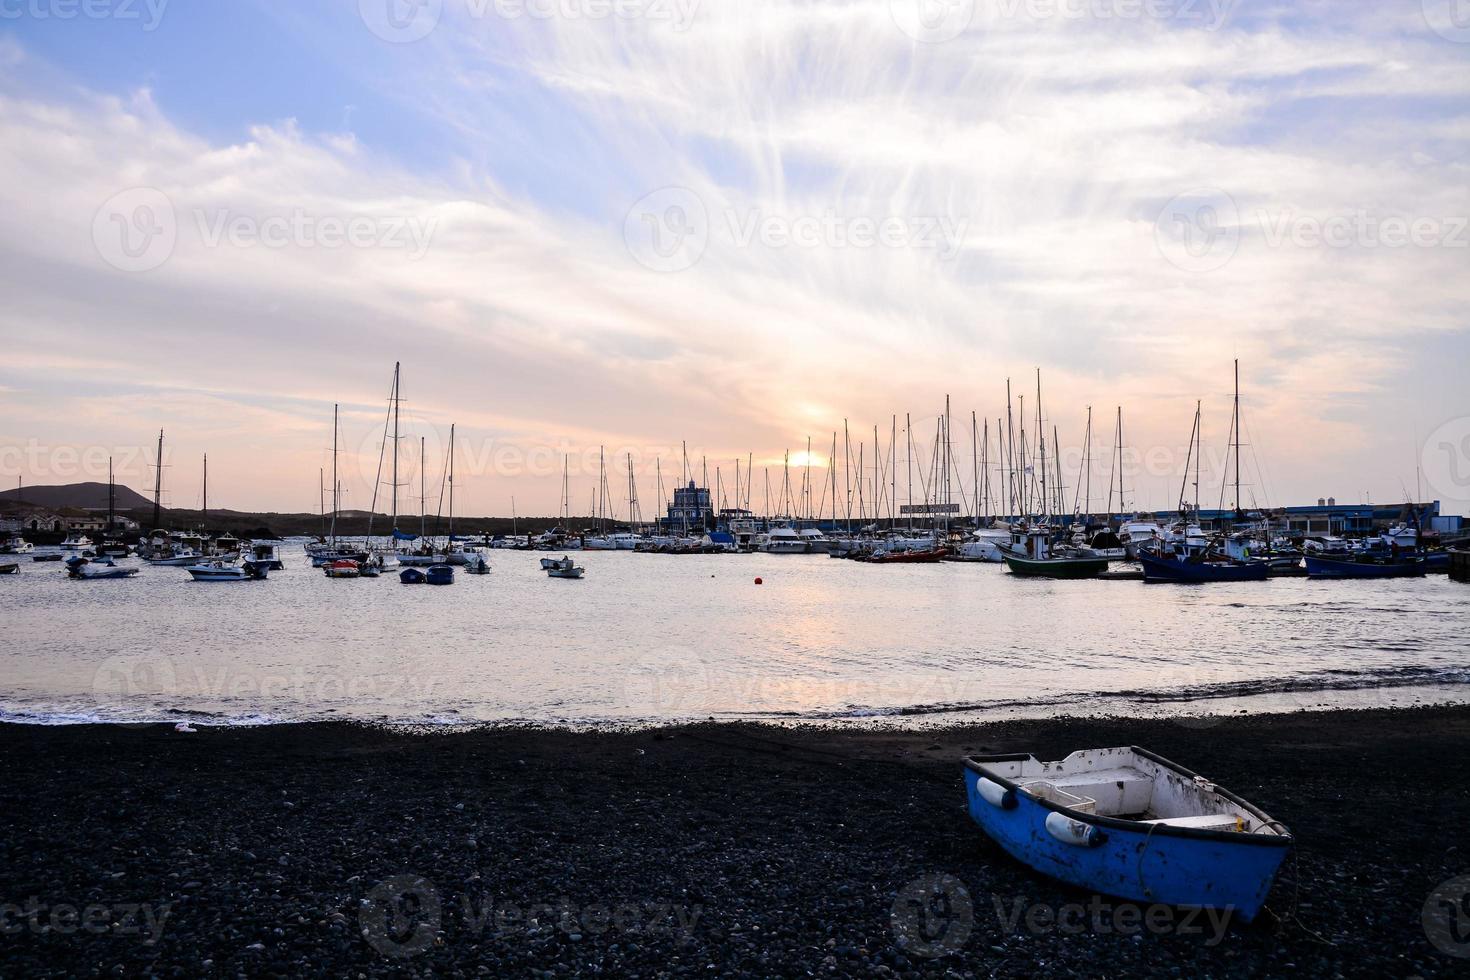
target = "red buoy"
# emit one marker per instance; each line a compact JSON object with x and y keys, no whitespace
{"x":759,"y":582}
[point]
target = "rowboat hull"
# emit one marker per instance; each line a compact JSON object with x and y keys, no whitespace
{"x":1156,"y":569}
{"x":1334,"y":568}
{"x":1056,"y":567}
{"x":1144,"y":862}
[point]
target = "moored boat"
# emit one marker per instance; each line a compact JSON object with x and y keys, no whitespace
{"x":1129,"y":823}
{"x":1365,"y":566}
{"x":440,"y":575}
{"x":90,"y":568}
{"x":563,"y":568}
{"x":1199,"y":568}
{"x":1056,"y":566}
{"x":342,"y":568}
{"x":227,"y":571}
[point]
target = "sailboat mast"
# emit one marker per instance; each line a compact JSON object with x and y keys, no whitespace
{"x":423,"y":490}
{"x":111,"y":495}
{"x":204,"y":507}
{"x":335,"y":502}
{"x":450,"y":542}
{"x":158,"y":483}
{"x":396,"y":400}
{"x":1237,"y":437}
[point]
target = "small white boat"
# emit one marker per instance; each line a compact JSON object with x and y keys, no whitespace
{"x":562,"y":568}
{"x":477,"y":565}
{"x":815,"y":542}
{"x":76,"y":541}
{"x":224,"y":571}
{"x":183,"y":558}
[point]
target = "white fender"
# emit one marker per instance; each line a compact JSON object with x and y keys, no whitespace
{"x":1073,"y":832}
{"x":995,"y":794}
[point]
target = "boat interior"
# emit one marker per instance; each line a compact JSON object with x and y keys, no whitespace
{"x":1131,"y":785}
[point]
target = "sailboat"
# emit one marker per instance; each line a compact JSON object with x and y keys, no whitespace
{"x":1187,"y":554}
{"x":337,"y":560}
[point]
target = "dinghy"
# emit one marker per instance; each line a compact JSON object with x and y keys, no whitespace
{"x":1128,"y":823}
{"x":412,"y":576}
{"x":342,"y":568}
{"x":562,"y":568}
{"x":440,"y":575}
{"x":89,"y":568}
{"x":9,"y":568}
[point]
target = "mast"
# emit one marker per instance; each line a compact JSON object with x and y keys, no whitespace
{"x":423,"y":489}
{"x":1237,"y":438}
{"x":1041,"y":445}
{"x":321,"y":497}
{"x":450,"y":542}
{"x":335,"y":488}
{"x":204,"y":513}
{"x":158,"y":483}
{"x":111,"y":495}
{"x":396,"y":400}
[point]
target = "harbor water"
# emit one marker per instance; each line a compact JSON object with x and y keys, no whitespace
{"x":650,"y":638}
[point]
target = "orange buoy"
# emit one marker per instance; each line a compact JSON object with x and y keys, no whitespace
{"x":759,"y":582}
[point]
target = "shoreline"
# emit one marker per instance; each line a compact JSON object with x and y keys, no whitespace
{"x":756,"y":849}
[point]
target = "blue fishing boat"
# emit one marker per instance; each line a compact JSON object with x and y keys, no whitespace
{"x":1128,"y":823}
{"x":1196,"y":568}
{"x":440,"y":575}
{"x":412,"y":576}
{"x":1365,"y":566}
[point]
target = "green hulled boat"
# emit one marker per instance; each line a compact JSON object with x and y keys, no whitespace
{"x":1056,"y":567}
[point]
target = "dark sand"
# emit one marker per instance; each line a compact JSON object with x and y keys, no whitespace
{"x":708,"y":850}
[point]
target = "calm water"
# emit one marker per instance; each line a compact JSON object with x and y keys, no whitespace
{"x":647,"y":637}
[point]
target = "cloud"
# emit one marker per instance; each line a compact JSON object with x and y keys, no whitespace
{"x":1047,"y":149}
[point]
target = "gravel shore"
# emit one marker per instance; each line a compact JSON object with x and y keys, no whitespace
{"x":710,"y":849}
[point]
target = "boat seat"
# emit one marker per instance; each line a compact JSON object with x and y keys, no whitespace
{"x":1116,"y":791}
{"x":1206,"y":821}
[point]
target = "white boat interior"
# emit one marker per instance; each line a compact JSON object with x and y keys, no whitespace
{"x":1131,"y":785}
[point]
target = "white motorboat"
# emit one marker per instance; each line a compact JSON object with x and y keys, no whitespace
{"x":183,"y":558}
{"x":17,"y":545}
{"x":598,"y":543}
{"x":1139,"y":535}
{"x":986,"y":544}
{"x":76,"y":541}
{"x":226,"y":571}
{"x":625,"y":541}
{"x":267,"y":554}
{"x":783,"y":540}
{"x":815,"y":542}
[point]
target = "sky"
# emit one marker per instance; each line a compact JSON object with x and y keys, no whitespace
{"x":648,"y":228}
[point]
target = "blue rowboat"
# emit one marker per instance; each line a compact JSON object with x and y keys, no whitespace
{"x":1128,"y":823}
{"x":440,"y":575}
{"x":1366,"y":567}
{"x":411,"y":576}
{"x":1180,"y":569}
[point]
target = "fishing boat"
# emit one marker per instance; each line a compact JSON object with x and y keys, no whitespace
{"x":1129,"y":823}
{"x":1056,"y":565}
{"x":440,"y":575}
{"x":76,"y":541}
{"x":46,"y":558}
{"x":1366,"y":566}
{"x":97,"y":568}
{"x":342,"y":568}
{"x":16,"y":545}
{"x":9,"y":568}
{"x":266,"y":554}
{"x":916,"y":556}
{"x":562,"y":568}
{"x":412,"y":576}
{"x":1200,"y":567}
{"x":227,"y":571}
{"x":477,"y":565}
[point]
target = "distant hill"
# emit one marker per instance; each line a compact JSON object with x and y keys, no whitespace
{"x":78,"y":495}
